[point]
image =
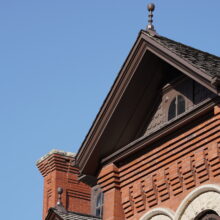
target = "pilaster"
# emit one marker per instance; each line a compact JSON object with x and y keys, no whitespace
{"x":109,"y":181}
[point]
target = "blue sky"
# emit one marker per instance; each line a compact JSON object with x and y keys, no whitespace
{"x":58,"y":60}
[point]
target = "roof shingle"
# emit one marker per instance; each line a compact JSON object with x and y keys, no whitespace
{"x":74,"y":215}
{"x":208,"y":63}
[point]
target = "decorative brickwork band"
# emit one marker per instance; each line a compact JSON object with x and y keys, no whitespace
{"x":185,"y":174}
{"x":167,"y":172}
{"x":57,"y":160}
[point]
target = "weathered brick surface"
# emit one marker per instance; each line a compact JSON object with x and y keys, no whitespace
{"x":163,"y":176}
{"x":58,"y":171}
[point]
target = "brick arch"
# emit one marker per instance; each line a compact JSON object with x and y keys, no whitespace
{"x":202,"y":198}
{"x":158,"y":214}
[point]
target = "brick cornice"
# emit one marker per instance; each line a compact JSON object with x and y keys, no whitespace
{"x":57,"y":160}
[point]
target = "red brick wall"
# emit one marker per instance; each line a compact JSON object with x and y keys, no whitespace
{"x":163,"y":176}
{"x":58,"y":171}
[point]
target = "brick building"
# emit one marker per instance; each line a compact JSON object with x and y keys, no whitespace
{"x":74,"y":200}
{"x":153,"y":148}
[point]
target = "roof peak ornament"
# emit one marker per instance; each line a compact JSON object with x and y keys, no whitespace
{"x":150,"y":26}
{"x":59,"y":205}
{"x":59,"y":191}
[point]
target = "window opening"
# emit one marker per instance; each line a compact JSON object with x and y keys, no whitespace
{"x":207,"y":215}
{"x":99,"y":205}
{"x":177,"y":107}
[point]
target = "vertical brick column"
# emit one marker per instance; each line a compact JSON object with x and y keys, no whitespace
{"x":58,"y":171}
{"x":108,"y":179}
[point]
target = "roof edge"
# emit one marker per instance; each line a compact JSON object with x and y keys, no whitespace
{"x":90,"y":142}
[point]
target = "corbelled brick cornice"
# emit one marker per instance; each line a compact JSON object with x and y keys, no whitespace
{"x":57,"y":160}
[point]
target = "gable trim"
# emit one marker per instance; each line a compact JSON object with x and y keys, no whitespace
{"x":111,"y":101}
{"x":88,"y":152}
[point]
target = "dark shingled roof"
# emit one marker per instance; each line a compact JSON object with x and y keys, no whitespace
{"x":74,"y":215}
{"x":208,"y":63}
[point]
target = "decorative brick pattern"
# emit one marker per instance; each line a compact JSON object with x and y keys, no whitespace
{"x":170,"y":151}
{"x":175,"y":179}
{"x":188,"y":174}
{"x":201,"y":166}
{"x":172,"y":169}
{"x":150,"y":190}
{"x":58,"y":171}
{"x":162,"y":185}
{"x":139,"y":197}
{"x":184,"y":175}
{"x":214,"y":158}
{"x":165,"y":174}
{"x":127,"y":202}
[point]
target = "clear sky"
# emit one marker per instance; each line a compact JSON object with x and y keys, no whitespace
{"x":58,"y":59}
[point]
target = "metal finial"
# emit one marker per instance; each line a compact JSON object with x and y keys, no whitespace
{"x":59,"y":191}
{"x":59,"y":205}
{"x":150,"y":8}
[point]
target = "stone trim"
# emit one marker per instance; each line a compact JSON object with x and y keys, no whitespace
{"x":205,"y":197}
{"x":55,"y":151}
{"x":202,"y":190}
{"x":167,"y":213}
{"x":57,"y":160}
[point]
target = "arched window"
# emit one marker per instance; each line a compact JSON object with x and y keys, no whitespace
{"x":207,"y":215}
{"x":99,"y":205}
{"x":177,"y":107}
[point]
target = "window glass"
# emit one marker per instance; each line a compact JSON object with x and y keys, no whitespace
{"x":180,"y":105}
{"x":177,"y":107}
{"x":98,"y":212}
{"x":208,"y":215}
{"x":99,"y":205}
{"x":172,"y":110}
{"x":99,"y":200}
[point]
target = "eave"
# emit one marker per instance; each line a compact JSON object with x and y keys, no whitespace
{"x":179,"y":63}
{"x":109,"y":105}
{"x":88,"y":155}
{"x":52,"y":215}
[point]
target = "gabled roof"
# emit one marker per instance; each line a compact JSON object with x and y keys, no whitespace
{"x":206,"y":62}
{"x":141,"y":67}
{"x":206,"y":66}
{"x":71,"y":215}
